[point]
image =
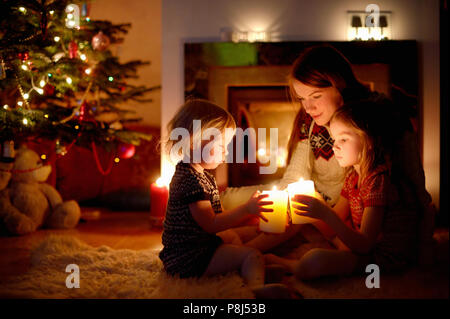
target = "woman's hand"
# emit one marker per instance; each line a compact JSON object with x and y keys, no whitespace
{"x":309,"y":206}
{"x":255,"y":205}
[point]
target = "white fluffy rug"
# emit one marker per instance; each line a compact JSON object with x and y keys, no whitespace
{"x":109,"y":273}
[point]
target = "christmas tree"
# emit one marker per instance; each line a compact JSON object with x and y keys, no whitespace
{"x":59,"y":80}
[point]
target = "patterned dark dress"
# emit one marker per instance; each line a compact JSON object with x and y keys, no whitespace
{"x":188,"y":249}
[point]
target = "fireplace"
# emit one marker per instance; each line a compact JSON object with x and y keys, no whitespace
{"x":250,"y":80}
{"x":260,"y":107}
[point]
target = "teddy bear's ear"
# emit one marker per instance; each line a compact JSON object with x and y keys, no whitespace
{"x":21,"y":149}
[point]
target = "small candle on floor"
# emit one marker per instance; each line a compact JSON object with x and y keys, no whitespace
{"x":278,"y":218}
{"x":159,"y":195}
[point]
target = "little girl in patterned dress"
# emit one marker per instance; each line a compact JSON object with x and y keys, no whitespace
{"x":194,"y":216}
{"x":376,"y":216}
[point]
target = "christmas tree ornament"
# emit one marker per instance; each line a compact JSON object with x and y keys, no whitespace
{"x":73,"y":49}
{"x":60,"y":149}
{"x":83,"y":112}
{"x":32,"y":67}
{"x":100,"y":41}
{"x":23,"y":56}
{"x":125,"y":150}
{"x":49,"y":90}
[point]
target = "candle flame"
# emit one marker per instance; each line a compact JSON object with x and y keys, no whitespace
{"x":274,"y":188}
{"x":161,"y":182}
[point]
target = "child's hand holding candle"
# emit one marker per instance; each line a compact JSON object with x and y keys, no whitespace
{"x":306,"y":206}
{"x":276,"y":221}
{"x":255,"y":205}
{"x":301,"y":187}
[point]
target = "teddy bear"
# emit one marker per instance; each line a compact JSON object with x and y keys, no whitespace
{"x":27,"y":202}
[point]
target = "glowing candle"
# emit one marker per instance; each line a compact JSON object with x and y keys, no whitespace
{"x":301,"y":187}
{"x":159,"y":194}
{"x":278,"y":218}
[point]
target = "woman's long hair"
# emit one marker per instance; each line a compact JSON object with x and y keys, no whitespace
{"x":322,"y":66}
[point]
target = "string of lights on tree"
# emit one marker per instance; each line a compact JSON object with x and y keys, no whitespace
{"x":59,"y":80}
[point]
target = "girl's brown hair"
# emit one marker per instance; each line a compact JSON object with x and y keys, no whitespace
{"x":210,"y":115}
{"x":321,"y":66}
{"x":366,"y":119}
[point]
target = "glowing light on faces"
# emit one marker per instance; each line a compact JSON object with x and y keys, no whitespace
{"x":347,"y":143}
{"x":319,"y":103}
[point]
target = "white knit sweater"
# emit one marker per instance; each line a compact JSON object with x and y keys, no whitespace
{"x":327,"y":175}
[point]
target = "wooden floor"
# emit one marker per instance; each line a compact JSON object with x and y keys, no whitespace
{"x":118,"y":230}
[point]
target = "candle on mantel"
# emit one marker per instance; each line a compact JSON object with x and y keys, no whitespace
{"x":301,"y":187}
{"x":278,"y":218}
{"x":159,"y":195}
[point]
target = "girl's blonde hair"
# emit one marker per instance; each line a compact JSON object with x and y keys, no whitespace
{"x":366,"y":119}
{"x":210,"y":115}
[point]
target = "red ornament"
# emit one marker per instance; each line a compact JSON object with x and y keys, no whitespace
{"x":83,"y":111}
{"x":100,"y":41}
{"x":23,"y":56}
{"x":49,"y":89}
{"x":85,"y":114}
{"x":73,"y":49}
{"x":126,"y":150}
